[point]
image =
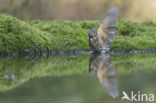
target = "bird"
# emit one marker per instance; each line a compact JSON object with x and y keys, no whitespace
{"x":101,"y":39}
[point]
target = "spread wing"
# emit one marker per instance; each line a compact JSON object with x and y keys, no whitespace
{"x":107,"y":27}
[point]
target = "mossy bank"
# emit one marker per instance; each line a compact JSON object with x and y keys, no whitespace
{"x":17,"y":35}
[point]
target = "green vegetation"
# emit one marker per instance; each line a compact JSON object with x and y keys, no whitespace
{"x":16,"y":71}
{"x":17,"y":35}
{"x":135,"y":36}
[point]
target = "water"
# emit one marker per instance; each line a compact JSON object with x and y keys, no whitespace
{"x":81,"y":78}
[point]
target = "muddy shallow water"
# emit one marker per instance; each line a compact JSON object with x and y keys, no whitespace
{"x":81,"y":78}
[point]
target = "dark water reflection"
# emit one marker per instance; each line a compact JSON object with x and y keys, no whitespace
{"x":102,"y":67}
{"x":65,"y":79}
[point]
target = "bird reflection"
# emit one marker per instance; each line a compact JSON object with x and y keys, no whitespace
{"x":101,"y":66}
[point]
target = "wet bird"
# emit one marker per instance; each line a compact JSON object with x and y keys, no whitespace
{"x":101,"y":39}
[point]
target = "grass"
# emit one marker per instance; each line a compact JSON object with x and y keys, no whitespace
{"x":18,"y":35}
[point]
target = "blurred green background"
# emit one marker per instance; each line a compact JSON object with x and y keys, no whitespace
{"x":136,"y":10}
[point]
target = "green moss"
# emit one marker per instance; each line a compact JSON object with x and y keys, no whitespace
{"x":17,"y":35}
{"x":135,"y":36}
{"x":73,"y":35}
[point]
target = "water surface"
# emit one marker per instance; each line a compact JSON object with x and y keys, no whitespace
{"x":81,"y":78}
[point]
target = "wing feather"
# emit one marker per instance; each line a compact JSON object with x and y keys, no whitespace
{"x":107,"y":27}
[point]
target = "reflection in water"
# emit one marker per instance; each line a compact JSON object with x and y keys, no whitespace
{"x":102,"y":67}
{"x":64,"y":79}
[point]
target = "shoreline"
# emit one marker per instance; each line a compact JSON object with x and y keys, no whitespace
{"x":72,"y":52}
